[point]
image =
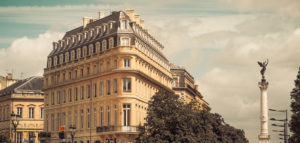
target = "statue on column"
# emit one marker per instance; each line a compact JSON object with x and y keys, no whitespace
{"x":262,"y":71}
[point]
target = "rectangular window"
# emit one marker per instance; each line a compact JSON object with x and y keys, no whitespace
{"x":115,"y":114}
{"x":115,"y":64}
{"x":31,"y":113}
{"x":95,"y":69}
{"x":76,"y":94}
{"x":95,"y":90}
{"x":19,"y":111}
{"x":95,"y":117}
{"x":19,"y":137}
{"x":82,"y":93}
{"x":69,"y":118}
{"x":52,"y":98}
{"x":126,"y":114}
{"x":88,"y":118}
{"x":123,"y":24}
{"x":58,"y":121}
{"x":101,"y":116}
{"x":115,"y":86}
{"x":58,"y":97}
{"x":81,"y":118}
{"x":64,"y":97}
{"x":88,"y":71}
{"x":88,"y":91}
{"x":107,"y":66}
{"x":63,"y":120}
{"x":127,"y":84}
{"x":108,"y":115}
{"x":108,"y":87}
{"x":81,"y":72}
{"x":75,"y":118}
{"x":125,"y":41}
{"x":101,"y":89}
{"x":101,"y":67}
{"x":52,"y":122}
{"x":126,"y":62}
{"x":42,"y":113}
{"x":75,"y":74}
{"x":70,"y":75}
{"x":70,"y":95}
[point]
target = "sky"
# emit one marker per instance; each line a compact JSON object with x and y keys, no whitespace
{"x":218,"y":41}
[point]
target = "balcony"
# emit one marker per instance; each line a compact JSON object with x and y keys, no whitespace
{"x":125,"y":129}
{"x":44,"y":135}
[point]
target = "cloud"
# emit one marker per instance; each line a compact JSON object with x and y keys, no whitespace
{"x":287,"y":7}
{"x":28,"y":55}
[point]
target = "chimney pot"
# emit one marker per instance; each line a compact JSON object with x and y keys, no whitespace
{"x":101,"y":14}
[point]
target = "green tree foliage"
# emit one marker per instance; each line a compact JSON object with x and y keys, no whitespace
{"x":295,"y":105}
{"x":169,"y":120}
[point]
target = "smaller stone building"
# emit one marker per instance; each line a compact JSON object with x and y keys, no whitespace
{"x":26,"y":99}
{"x":7,"y":81}
{"x":184,"y":86}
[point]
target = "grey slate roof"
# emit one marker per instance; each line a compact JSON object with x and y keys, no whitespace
{"x":29,"y":85}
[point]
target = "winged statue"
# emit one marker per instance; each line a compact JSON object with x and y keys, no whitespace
{"x":263,"y":65}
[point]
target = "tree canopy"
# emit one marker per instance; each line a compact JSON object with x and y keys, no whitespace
{"x":295,"y":105}
{"x":169,"y":120}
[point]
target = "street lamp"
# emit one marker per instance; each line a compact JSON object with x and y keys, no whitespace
{"x":15,"y":122}
{"x":72,"y":131}
{"x":285,"y":124}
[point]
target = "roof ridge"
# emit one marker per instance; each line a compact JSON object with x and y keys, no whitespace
{"x":28,"y":79}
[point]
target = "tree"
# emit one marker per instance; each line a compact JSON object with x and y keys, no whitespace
{"x":295,"y":105}
{"x":170,"y":120}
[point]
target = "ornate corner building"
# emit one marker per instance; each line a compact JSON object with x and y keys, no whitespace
{"x":25,"y":99}
{"x":100,"y":77}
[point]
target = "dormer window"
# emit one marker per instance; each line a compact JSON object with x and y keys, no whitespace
{"x":111,"y":43}
{"x":85,"y":35}
{"x":123,"y":24}
{"x":104,"y":28}
{"x":125,"y":41}
{"x":110,"y":25}
{"x":91,"y":33}
{"x":79,"y":37}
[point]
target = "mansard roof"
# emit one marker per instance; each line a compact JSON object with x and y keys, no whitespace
{"x":29,"y":85}
{"x":115,"y":16}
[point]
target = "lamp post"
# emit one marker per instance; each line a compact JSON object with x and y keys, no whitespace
{"x":15,"y":122}
{"x":285,"y":124}
{"x":72,"y":131}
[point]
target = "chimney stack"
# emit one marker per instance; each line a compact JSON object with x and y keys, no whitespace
{"x":87,"y":20}
{"x":130,"y":13}
{"x":141,"y":23}
{"x":197,"y":87}
{"x":101,"y":14}
{"x":9,"y":76}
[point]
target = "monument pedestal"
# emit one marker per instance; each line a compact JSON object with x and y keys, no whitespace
{"x":264,"y":136}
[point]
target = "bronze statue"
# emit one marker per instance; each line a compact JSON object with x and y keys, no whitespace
{"x":263,"y":65}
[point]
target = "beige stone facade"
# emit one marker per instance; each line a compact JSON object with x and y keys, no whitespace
{"x":7,"y":81}
{"x":100,"y":77}
{"x":19,"y":98}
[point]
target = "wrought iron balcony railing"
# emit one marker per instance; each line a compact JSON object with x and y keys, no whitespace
{"x":44,"y":135}
{"x":117,"y":129}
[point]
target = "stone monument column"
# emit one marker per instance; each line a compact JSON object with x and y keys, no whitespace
{"x":264,"y":136}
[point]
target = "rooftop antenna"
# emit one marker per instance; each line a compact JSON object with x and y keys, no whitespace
{"x":21,"y":75}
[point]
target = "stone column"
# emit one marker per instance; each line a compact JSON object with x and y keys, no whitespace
{"x":264,"y":136}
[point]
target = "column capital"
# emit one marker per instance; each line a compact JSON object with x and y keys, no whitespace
{"x":263,"y":85}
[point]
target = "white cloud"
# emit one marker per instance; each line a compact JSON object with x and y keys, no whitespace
{"x":28,"y":55}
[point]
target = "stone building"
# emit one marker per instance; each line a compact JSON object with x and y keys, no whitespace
{"x":183,"y":85}
{"x":100,"y":77}
{"x":7,"y":81}
{"x":24,"y":98}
